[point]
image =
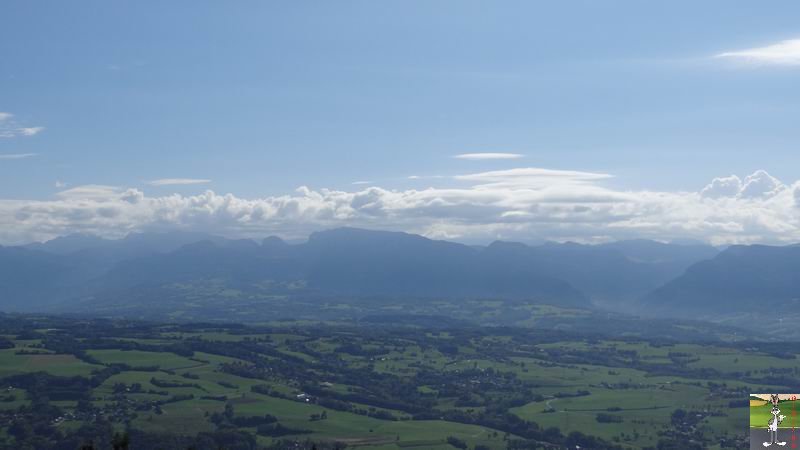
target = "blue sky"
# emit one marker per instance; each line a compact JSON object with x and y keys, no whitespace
{"x":257,"y":99}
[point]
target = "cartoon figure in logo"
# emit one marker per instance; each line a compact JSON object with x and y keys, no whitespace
{"x":773,"y":423}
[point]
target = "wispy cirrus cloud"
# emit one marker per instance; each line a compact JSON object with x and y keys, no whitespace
{"x":10,"y":127}
{"x":425,"y":177}
{"x":178,"y":181}
{"x":487,"y":156}
{"x":783,"y":53}
{"x":30,"y":131}
{"x":17,"y":155}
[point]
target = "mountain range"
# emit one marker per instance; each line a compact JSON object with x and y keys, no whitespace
{"x":755,"y":279}
{"x":639,"y":276}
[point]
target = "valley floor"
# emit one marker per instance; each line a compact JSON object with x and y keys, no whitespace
{"x":368,"y":387}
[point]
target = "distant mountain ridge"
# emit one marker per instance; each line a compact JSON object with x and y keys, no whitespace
{"x":341,"y":262}
{"x":741,"y":279}
{"x":344,"y":262}
{"x":619,"y":272}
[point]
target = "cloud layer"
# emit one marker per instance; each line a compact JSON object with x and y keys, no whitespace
{"x":519,"y":204}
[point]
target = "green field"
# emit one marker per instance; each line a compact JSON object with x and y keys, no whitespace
{"x":61,"y":365}
{"x":138,"y":358}
{"x":397,"y":388}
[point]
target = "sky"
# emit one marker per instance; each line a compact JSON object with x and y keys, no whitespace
{"x":471,"y":121}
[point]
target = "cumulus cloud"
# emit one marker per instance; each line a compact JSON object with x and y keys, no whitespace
{"x":16,"y":155}
{"x":784,"y":53}
{"x":5,"y":116}
{"x":723,"y":187}
{"x":178,"y":181}
{"x":517,"y":204}
{"x":485,"y":156}
{"x":759,"y":184}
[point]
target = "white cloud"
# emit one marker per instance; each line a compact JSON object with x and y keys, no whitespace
{"x":759,"y":184}
{"x":60,"y":184}
{"x":361,"y":182}
{"x":426,"y":177}
{"x":784,"y":53}
{"x":178,"y":181}
{"x":485,"y":156}
{"x":796,"y":193}
{"x":94,"y":192}
{"x":10,"y":128}
{"x":30,"y":131}
{"x":16,"y":155}
{"x":519,"y":204}
{"x":132,"y":196}
{"x":533,"y":177}
{"x":723,"y":187}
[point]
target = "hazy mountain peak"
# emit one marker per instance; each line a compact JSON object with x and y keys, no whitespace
{"x":241,"y":244}
{"x":273,"y":241}
{"x":173,"y":235}
{"x":507,"y":245}
{"x":198,"y":246}
{"x":359,"y":235}
{"x":69,"y":243}
{"x":740,"y":278}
